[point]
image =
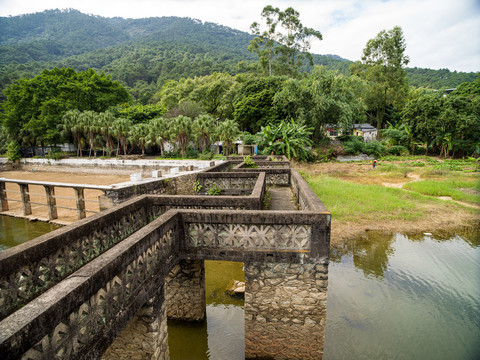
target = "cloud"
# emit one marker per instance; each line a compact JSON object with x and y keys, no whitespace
{"x":438,"y":33}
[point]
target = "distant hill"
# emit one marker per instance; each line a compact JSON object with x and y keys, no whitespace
{"x":143,"y":53}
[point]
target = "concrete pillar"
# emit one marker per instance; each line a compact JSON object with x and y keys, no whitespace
{"x":27,"y":207}
{"x":51,"y":203}
{"x":145,"y":336}
{"x":3,"y":196}
{"x":285,"y":310}
{"x":80,"y":203}
{"x":185,"y":291}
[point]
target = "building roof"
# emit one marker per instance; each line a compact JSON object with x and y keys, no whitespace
{"x":364,"y":127}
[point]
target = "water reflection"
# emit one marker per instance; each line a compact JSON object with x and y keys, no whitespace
{"x":222,"y":336}
{"x":14,"y":231}
{"x":405,"y":298}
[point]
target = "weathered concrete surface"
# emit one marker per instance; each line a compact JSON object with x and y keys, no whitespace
{"x":282,"y":199}
{"x":106,"y":166}
{"x":285,"y":310}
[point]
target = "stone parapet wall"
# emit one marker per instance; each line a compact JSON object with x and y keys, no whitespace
{"x":106,"y":166}
{"x":145,"y":336}
{"x":285,"y":310}
{"x":185,"y":291}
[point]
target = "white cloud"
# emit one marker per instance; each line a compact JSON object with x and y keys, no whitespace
{"x":438,"y":33}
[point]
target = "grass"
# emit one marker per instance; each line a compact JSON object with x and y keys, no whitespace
{"x":348,"y":201}
{"x":449,"y":187}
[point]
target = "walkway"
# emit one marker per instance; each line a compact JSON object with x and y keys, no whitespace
{"x":282,"y":199}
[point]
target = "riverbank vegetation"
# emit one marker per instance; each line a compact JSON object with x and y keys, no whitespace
{"x":283,"y":102}
{"x":397,"y":195}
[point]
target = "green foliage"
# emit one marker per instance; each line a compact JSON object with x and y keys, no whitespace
{"x":355,"y":145}
{"x":284,"y":44}
{"x":249,"y":163}
{"x":227,"y":132}
{"x":214,"y":190}
{"x":287,"y":138}
{"x":397,"y":150}
{"x":13,"y":151}
{"x":33,"y":108}
{"x":197,"y":187}
{"x":382,"y":66}
{"x":181,"y":131}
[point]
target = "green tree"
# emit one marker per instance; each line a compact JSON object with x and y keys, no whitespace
{"x":181,"y":131}
{"x":203,"y":128}
{"x":34,"y":107}
{"x":104,"y":127}
{"x":120,"y":129}
{"x":71,"y":125}
{"x":227,"y":132}
{"x":286,"y":138}
{"x":139,"y":135}
{"x":159,"y":133}
{"x":382,"y":67}
{"x":89,"y":124}
{"x":285,"y":42}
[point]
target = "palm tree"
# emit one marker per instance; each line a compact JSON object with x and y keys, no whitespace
{"x":203,"y":127}
{"x":120,"y":129}
{"x":139,"y":134}
{"x":71,"y":124}
{"x":181,"y":131}
{"x":159,"y":133}
{"x":88,"y":121}
{"x":227,"y":131}
{"x":104,"y":125}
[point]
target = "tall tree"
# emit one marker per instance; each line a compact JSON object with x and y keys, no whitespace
{"x":284,"y":43}
{"x":71,"y":125}
{"x":227,"y":131}
{"x":120,"y":129}
{"x":159,"y":133}
{"x":36,"y":106}
{"x":181,"y":131}
{"x":382,"y":66}
{"x":203,"y":127}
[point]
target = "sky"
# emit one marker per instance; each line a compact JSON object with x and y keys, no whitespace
{"x":438,"y":33}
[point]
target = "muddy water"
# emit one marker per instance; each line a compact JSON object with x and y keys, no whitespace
{"x":389,"y":297}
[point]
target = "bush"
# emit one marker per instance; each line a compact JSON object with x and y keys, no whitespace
{"x":354,"y":145}
{"x":207,"y":155}
{"x":13,"y":151}
{"x":375,"y":148}
{"x":172,"y":154}
{"x":192,"y":153}
{"x":397,"y":150}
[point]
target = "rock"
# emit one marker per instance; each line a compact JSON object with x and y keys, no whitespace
{"x":236,"y":288}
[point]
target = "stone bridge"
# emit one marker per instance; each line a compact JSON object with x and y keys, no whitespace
{"x":79,"y":291}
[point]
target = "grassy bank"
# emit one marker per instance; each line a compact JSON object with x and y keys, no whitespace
{"x":400,"y":194}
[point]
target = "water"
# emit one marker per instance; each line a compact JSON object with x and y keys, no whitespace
{"x":14,"y":231}
{"x":395,"y":297}
{"x":389,"y":297}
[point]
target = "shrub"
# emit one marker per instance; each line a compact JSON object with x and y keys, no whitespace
{"x":249,"y":163}
{"x":397,"y":150}
{"x":354,"y":145}
{"x":13,"y":151}
{"x":375,"y":148}
{"x":207,"y":155}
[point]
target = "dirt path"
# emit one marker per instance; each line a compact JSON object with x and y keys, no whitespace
{"x":65,"y":197}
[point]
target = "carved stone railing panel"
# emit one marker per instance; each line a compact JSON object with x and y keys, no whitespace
{"x":73,"y":335}
{"x":248,"y":236}
{"x":35,"y":276}
{"x":278,"y":179}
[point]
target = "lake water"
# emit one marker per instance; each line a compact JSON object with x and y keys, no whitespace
{"x":389,"y":297}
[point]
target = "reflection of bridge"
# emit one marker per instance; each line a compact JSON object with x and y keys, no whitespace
{"x":70,"y":293}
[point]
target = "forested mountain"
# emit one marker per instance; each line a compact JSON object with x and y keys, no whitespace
{"x":144,"y":53}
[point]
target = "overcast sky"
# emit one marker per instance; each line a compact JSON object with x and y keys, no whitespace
{"x":438,"y":33}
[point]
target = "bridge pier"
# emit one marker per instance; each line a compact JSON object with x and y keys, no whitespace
{"x":285,"y":310}
{"x":185,"y":291}
{"x":145,"y":336}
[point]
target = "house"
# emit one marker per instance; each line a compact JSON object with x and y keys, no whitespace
{"x":366,"y":131}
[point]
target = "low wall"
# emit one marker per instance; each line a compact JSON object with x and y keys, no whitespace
{"x":229,"y":183}
{"x":108,"y":166}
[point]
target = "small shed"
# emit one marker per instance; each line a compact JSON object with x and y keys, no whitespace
{"x":366,"y":131}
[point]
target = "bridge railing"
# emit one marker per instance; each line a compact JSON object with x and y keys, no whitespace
{"x":70,"y":319}
{"x":50,"y":198}
{"x":29,"y":269}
